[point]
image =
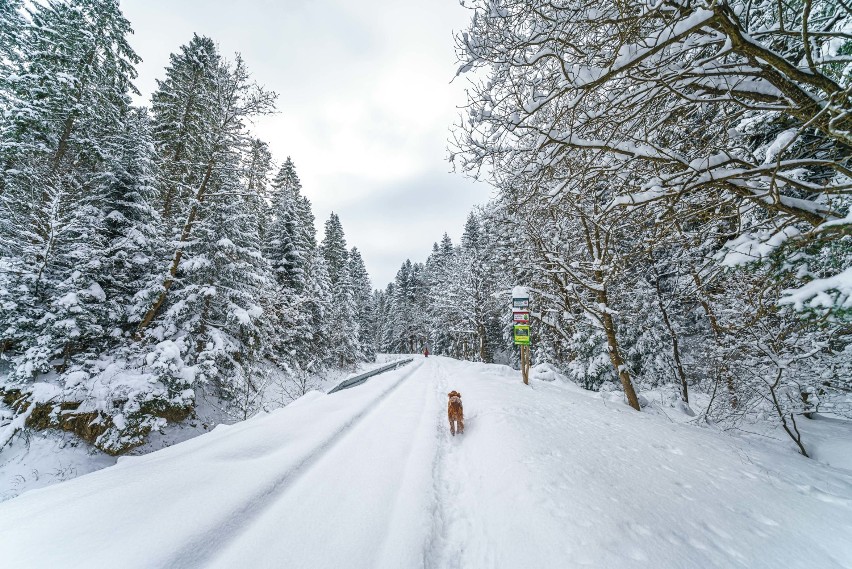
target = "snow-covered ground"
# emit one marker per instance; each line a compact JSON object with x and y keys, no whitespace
{"x":545,"y":475}
{"x":38,"y":459}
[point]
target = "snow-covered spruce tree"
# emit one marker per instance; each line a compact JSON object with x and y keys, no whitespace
{"x":61,"y":148}
{"x":256,"y":168}
{"x":439,"y":313}
{"x":344,"y":329}
{"x":290,"y":245}
{"x":184,"y":117}
{"x":405,"y":330}
{"x":219,"y":127}
{"x":362,"y":296}
{"x":202,"y":319}
{"x":12,"y":48}
{"x":287,"y":262}
{"x":350,"y":299}
{"x":234,"y":291}
{"x":381,"y":318}
{"x":470,"y":294}
{"x":132,"y":223}
{"x":318,"y":304}
{"x":333,"y":248}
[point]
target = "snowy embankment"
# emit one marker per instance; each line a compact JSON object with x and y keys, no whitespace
{"x":35,"y":459}
{"x":544,"y":476}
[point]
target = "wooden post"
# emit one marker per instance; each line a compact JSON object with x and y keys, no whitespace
{"x":525,"y":364}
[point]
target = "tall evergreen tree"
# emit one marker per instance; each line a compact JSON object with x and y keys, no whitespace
{"x":61,"y":140}
{"x":231,"y":100}
{"x":334,"y":248}
{"x":291,"y":239}
{"x":362,"y":296}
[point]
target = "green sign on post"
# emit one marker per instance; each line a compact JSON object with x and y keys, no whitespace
{"x":522,"y":334}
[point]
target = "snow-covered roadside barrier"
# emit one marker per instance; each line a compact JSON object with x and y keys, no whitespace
{"x":362,"y":377}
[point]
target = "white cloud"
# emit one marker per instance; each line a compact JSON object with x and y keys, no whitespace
{"x":365,"y":105}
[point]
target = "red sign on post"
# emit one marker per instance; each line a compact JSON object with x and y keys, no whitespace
{"x":521,"y":317}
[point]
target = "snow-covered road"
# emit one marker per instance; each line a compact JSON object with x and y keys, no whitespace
{"x":544,"y":476}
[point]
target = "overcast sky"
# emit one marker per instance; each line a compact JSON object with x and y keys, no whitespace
{"x":365,"y":106}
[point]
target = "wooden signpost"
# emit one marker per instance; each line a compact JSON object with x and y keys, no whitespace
{"x":521,"y":327}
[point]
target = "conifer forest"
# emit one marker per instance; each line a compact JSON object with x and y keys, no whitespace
{"x":619,"y":334}
{"x":671,"y":181}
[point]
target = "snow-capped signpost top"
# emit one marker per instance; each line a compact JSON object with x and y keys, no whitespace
{"x":520,"y":292}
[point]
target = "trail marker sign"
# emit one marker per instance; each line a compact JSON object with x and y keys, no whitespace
{"x":521,"y":327}
{"x":522,"y":334}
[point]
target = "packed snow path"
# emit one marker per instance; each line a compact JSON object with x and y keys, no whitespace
{"x":545,"y":476}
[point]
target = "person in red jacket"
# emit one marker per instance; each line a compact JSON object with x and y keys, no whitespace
{"x":426,"y":351}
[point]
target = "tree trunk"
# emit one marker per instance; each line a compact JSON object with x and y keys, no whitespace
{"x":615,"y":353}
{"x":794,"y":431}
{"x":675,"y":349}
{"x":172,"y":185}
{"x":187,"y":229}
{"x":68,"y":126}
{"x":717,"y":336}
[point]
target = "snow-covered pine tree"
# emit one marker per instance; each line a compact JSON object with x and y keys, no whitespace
{"x":362,"y":292}
{"x":132,"y":223}
{"x":234,"y":327}
{"x":317,"y":303}
{"x":344,"y":328}
{"x":333,"y":248}
{"x":219,"y":126}
{"x":60,"y":140}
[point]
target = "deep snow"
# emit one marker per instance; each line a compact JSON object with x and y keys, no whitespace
{"x":35,"y":459}
{"x":544,"y":476}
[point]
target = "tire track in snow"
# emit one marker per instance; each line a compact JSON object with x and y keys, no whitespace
{"x":199,"y":551}
{"x":414,"y":496}
{"x":365,"y":500}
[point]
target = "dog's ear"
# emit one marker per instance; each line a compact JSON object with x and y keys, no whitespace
{"x":458,"y":394}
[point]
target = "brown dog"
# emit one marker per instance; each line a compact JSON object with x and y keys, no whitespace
{"x":455,"y":412}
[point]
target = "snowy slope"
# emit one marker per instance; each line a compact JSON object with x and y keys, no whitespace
{"x":545,"y":476}
{"x":35,"y":459}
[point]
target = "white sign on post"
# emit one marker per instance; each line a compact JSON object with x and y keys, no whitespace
{"x":520,"y":297}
